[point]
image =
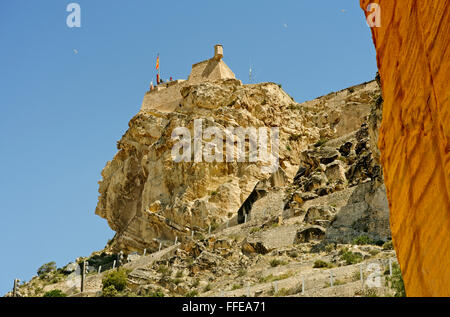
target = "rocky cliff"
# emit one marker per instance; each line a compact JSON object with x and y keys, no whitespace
{"x":241,"y":229}
{"x":149,"y":199}
{"x":413,"y":57}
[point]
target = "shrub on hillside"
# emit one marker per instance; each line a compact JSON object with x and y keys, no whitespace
{"x":46,"y":269}
{"x":388,"y":245}
{"x":117,"y":279}
{"x":363,"y":240}
{"x":109,"y":291}
{"x":157,"y":293}
{"x":396,"y":281}
{"x":54,"y":293}
{"x":191,"y":294}
{"x":322,"y":264}
{"x":351,"y":257}
{"x":277,"y":262}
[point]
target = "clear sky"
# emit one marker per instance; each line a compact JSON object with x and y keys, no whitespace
{"x":67,"y":94}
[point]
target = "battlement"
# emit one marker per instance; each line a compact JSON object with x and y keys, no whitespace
{"x":166,"y":96}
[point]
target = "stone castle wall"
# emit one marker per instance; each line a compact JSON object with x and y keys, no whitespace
{"x":167,"y":97}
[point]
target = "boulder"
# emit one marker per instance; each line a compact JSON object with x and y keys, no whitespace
{"x":300,"y":197}
{"x":70,"y":268}
{"x":327,"y":154}
{"x":323,"y":191}
{"x":253,"y":246}
{"x":315,"y":213}
{"x":345,"y":148}
{"x":335,"y":172}
{"x":316,"y":181}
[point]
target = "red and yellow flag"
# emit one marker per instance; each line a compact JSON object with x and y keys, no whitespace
{"x":157,"y":62}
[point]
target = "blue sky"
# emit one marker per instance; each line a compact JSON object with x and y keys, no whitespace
{"x":62,"y":112}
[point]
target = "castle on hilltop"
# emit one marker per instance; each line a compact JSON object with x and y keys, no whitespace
{"x":166,"y":96}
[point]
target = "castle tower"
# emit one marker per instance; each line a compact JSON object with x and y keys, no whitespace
{"x":218,"y":52}
{"x":166,"y":97}
{"x":211,"y":69}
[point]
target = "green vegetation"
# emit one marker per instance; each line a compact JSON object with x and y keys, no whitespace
{"x":46,"y":268}
{"x":104,"y":260}
{"x":330,"y":247}
{"x":374,"y":252}
{"x":189,"y":261}
{"x":370,"y":292}
{"x":294,"y":106}
{"x":115,"y":279}
{"x":38,"y":290}
{"x":196,"y":283}
{"x":282,"y":292}
{"x":214,"y":225}
{"x":80,"y":260}
{"x":57,"y":277}
{"x":236,"y":286}
{"x":356,"y":276}
{"x":177,"y":281}
{"x":271,"y":278}
{"x":388,"y":245}
{"x":322,"y":264}
{"x":157,"y":293}
{"x":54,"y":293}
{"x":363,"y":240}
{"x":338,"y":282}
{"x":351,"y":257}
{"x":320,"y":142}
{"x":335,"y":283}
{"x":242,"y":272}
{"x":110,"y":291}
{"x":191,"y":294}
{"x":379,"y":243}
{"x":277,"y":262}
{"x":396,"y":281}
{"x":207,"y":288}
{"x":164,"y":270}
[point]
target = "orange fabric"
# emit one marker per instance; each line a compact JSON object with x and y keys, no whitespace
{"x":413,"y":58}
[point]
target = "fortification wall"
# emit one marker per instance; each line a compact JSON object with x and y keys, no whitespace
{"x":164,"y":98}
{"x":167,"y":97}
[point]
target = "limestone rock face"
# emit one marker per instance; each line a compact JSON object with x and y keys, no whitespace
{"x":413,"y":56}
{"x":148,"y":198}
{"x":346,"y":196}
{"x":240,"y":224}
